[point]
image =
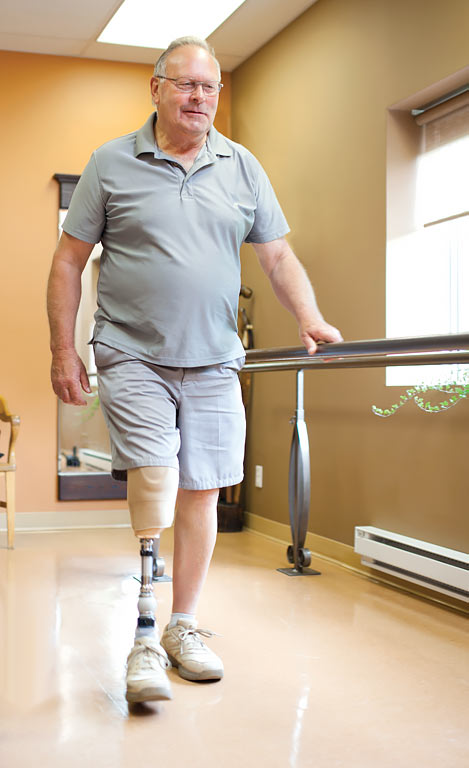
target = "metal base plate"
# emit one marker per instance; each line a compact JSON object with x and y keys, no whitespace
{"x":303,"y":572}
{"x":159,"y":579}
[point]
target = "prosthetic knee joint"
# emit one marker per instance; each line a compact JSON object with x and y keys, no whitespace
{"x":151,"y":494}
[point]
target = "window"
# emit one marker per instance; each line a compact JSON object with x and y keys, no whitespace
{"x":427,"y":259}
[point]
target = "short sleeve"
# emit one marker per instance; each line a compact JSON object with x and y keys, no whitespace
{"x":86,"y":216}
{"x":270,"y":222}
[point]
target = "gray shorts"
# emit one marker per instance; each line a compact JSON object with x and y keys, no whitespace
{"x":192,"y":419}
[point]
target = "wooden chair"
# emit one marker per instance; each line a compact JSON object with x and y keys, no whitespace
{"x":8,"y":468}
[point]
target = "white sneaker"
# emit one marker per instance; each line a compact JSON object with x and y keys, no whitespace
{"x":187,"y":651}
{"x":146,"y":671}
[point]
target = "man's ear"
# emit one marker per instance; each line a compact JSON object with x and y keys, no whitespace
{"x":154,"y":88}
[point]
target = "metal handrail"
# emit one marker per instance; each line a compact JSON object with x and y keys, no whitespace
{"x":420,"y":350}
{"x":373,"y":353}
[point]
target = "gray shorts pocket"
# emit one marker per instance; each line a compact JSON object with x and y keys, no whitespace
{"x":106,"y":356}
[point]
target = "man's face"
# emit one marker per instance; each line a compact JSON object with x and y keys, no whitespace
{"x":186,"y":113}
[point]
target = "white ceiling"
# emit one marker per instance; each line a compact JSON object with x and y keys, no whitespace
{"x":70,"y":28}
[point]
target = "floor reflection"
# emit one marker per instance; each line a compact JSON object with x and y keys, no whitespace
{"x":331,"y":671}
{"x":30,"y":610}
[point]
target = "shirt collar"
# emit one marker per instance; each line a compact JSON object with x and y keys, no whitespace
{"x":217,"y":143}
{"x":145,"y":140}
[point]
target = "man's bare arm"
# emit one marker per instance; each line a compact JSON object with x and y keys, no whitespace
{"x":68,"y":373}
{"x":294,"y":290}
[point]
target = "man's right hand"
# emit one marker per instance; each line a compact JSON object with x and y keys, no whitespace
{"x":69,"y":377}
{"x":68,"y":374}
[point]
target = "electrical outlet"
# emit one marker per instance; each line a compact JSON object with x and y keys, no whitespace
{"x":259,"y":471}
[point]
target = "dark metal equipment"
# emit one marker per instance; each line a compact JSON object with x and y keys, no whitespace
{"x":230,"y":504}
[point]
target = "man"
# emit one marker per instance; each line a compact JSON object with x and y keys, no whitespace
{"x":172,"y":204}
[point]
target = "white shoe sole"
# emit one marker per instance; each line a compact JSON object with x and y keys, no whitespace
{"x":194,"y":677}
{"x":148,"y":693}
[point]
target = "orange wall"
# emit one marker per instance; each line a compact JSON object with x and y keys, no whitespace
{"x":55,"y":111}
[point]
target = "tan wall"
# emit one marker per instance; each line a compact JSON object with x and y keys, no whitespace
{"x":312,"y":106}
{"x":55,"y":111}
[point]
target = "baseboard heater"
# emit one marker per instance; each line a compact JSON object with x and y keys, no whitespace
{"x":431,"y":566}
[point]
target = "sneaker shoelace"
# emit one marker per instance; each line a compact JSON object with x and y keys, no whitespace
{"x":193,"y":635}
{"x":144,"y":654}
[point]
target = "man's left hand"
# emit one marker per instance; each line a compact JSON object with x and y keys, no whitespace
{"x":311,"y":333}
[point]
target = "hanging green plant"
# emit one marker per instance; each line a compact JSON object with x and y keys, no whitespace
{"x":453,"y":392}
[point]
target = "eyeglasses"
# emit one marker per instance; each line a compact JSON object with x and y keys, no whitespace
{"x":210,"y":87}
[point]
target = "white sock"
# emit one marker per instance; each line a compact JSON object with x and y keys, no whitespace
{"x":186,"y":616}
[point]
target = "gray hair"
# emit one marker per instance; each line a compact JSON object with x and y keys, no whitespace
{"x":160,"y":66}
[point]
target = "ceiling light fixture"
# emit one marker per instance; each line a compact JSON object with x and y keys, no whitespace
{"x":154,"y":23}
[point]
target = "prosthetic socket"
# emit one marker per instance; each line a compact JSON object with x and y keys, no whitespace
{"x":151,"y":495}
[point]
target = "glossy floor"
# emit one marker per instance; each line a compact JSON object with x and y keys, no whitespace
{"x":321,"y":671}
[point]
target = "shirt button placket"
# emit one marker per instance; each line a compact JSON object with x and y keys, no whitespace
{"x":186,"y":189}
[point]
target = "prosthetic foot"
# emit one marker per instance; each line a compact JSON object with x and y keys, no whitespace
{"x":151,"y":493}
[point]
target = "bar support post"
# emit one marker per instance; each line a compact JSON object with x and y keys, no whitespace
{"x":299,"y":488}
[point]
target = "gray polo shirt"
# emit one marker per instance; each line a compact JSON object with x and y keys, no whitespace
{"x":170,"y":268}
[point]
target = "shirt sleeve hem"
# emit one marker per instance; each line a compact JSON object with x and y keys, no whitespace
{"x":81,"y":235}
{"x":267,"y":237}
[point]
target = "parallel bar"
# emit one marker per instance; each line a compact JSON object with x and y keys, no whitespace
{"x":324,"y":361}
{"x":376,"y":353}
{"x":414,"y":344}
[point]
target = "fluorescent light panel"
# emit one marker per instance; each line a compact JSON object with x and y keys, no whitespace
{"x":154,"y":23}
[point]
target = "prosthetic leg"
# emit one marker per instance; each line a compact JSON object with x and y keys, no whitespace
{"x":151,"y":494}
